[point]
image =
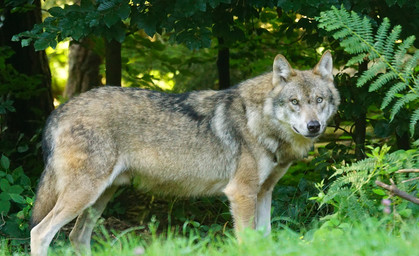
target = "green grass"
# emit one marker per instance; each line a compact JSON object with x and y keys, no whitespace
{"x":369,"y":238}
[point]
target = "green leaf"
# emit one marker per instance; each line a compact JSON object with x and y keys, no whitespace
{"x":20,"y":215}
{"x":10,"y":178}
{"x":17,"y":198}
{"x":117,"y":32}
{"x":379,"y":192}
{"x":187,"y":8}
{"x":41,"y":44}
{"x":106,"y":5}
{"x":111,"y":19}
{"x":56,"y":12}
{"x":406,"y":212}
{"x":22,"y":149}
{"x":15,"y":38}
{"x":15,"y":189}
{"x":124,"y":11}
{"x":5,"y":162}
{"x":29,"y":200}
{"x":4,"y":207}
{"x":146,"y":22}
{"x":93,"y":23}
{"x":26,"y":42}
{"x":4,"y":185}
{"x":4,"y":196}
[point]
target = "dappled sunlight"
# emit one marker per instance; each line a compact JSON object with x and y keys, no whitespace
{"x":58,"y":63}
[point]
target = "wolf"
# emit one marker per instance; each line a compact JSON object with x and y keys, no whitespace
{"x":239,"y":141}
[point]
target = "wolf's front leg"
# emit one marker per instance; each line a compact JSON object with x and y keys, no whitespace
{"x":264,"y":199}
{"x":263,"y":211}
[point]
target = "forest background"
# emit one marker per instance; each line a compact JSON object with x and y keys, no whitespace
{"x":359,"y":182}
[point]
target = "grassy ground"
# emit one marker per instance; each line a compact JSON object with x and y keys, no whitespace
{"x":368,"y":238}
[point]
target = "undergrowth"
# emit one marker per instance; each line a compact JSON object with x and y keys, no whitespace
{"x":368,"y":238}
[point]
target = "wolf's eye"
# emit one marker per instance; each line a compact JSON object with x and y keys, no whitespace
{"x":294,"y":102}
{"x":319,"y":100}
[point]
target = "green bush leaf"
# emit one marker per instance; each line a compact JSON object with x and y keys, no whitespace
{"x":123,"y":11}
{"x":22,"y":149}
{"x":56,"y":11}
{"x":4,"y":185}
{"x":10,"y":178}
{"x":4,"y":196}
{"x":406,"y":212}
{"x":379,"y":192}
{"x":17,"y":198}
{"x":5,"y":162}
{"x":110,"y":19}
{"x":26,"y":42}
{"x":41,"y":44}
{"x":4,"y":207}
{"x":16,"y":189}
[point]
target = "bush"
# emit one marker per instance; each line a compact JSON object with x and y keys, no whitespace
{"x":354,"y":195}
{"x":16,"y":200}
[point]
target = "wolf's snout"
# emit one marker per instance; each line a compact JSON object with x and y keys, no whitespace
{"x":313,"y":126}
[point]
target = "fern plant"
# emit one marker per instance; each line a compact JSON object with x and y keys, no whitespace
{"x":392,"y":67}
{"x":353,"y":193}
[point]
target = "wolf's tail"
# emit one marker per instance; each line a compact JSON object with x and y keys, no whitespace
{"x":46,"y":197}
{"x":46,"y":194}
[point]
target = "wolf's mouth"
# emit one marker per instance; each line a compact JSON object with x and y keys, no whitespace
{"x":305,"y":135}
{"x":295,"y":129}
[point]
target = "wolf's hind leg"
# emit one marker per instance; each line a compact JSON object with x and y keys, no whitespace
{"x":81,"y":234}
{"x":70,"y":204}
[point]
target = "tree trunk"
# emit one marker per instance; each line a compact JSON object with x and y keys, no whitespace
{"x":361,"y":123}
{"x":403,"y":141}
{"x":32,"y":111}
{"x":359,"y":135}
{"x":83,"y":68}
{"x":113,"y":63}
{"x":223,"y":65}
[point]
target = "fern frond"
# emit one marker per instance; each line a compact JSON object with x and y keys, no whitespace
{"x":396,"y":88}
{"x":381,"y":35}
{"x":401,"y":53}
{"x":410,"y":65}
{"x":391,"y":63}
{"x":382,"y":80}
{"x":390,"y":42}
{"x":342,"y":33}
{"x":400,"y":103}
{"x":413,"y":121}
{"x":356,"y":59}
{"x":371,"y":73}
{"x":362,"y":27}
{"x":354,"y":46}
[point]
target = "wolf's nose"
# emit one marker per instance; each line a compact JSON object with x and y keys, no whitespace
{"x":313,"y":126}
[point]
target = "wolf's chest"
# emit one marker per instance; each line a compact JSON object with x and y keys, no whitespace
{"x":289,"y":152}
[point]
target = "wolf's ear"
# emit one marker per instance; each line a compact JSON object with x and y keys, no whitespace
{"x":325,"y":66}
{"x":282,"y":70}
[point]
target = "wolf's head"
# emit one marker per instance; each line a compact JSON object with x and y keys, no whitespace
{"x":302,"y":101}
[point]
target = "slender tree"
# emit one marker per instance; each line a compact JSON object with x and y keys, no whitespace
{"x":83,"y":67}
{"x":33,"y":107}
